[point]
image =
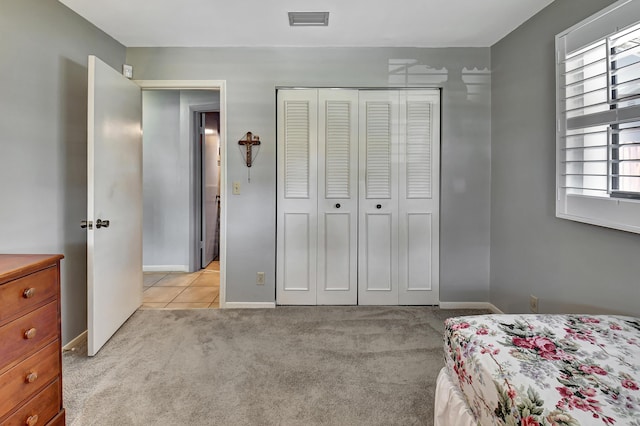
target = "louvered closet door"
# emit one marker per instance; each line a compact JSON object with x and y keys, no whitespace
{"x":378,"y":204}
{"x":297,"y":197}
{"x":337,"y":197}
{"x":418,"y":184}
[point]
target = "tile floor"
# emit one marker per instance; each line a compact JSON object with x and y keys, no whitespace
{"x":177,"y":290}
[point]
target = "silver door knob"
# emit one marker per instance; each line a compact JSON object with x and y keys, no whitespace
{"x":102,"y":223}
{"x":86,"y":224}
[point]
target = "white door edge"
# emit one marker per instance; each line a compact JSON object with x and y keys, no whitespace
{"x":221,"y":86}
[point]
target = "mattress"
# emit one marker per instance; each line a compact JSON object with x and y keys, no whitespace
{"x":546,"y":369}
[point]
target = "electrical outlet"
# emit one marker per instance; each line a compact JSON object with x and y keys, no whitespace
{"x":236,"y":188}
{"x":260,"y":278}
{"x":533,"y":304}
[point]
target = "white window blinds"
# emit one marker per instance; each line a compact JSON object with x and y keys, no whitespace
{"x":598,"y":112}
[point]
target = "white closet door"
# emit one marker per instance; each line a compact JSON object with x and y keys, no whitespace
{"x":378,"y":204}
{"x":418,"y":184}
{"x":297,"y":122}
{"x":337,"y":197}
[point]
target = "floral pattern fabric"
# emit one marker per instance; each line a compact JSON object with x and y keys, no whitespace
{"x":531,"y":370}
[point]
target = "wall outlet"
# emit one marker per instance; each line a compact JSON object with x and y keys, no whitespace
{"x":260,"y":278}
{"x":236,"y":188}
{"x":533,"y":304}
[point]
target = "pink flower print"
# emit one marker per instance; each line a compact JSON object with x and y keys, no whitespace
{"x":460,"y":326}
{"x":511,"y":393}
{"x":482,"y":331}
{"x":588,"y":392}
{"x":529,"y":421}
{"x":630,"y":384}
{"x":523,"y":343}
{"x":589,"y":320}
{"x":615,"y":327}
{"x":598,"y":370}
{"x":564,"y":391}
{"x":587,"y":369}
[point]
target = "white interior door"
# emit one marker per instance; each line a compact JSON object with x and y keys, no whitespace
{"x":378,"y":209}
{"x":297,"y":201}
{"x":114,"y":251}
{"x":337,"y":197}
{"x":419,"y":197}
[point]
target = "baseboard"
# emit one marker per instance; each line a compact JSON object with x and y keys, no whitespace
{"x":471,"y":305}
{"x":165,"y":268}
{"x":248,"y":305}
{"x":76,"y":341}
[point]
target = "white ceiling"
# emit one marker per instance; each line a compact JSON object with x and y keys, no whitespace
{"x":374,"y":23}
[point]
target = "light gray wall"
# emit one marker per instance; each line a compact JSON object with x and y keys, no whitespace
{"x":252,"y":75}
{"x":168,"y":151}
{"x":571,"y":267}
{"x":165,"y":200}
{"x":43,"y":136}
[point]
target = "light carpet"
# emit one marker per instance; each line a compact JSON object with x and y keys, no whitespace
{"x":283,"y":366}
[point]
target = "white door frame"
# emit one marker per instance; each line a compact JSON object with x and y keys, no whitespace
{"x":221,"y":86}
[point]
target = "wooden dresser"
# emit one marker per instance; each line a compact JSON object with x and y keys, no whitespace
{"x":30,"y":344}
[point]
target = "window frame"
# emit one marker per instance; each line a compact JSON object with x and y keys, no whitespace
{"x":613,"y":210}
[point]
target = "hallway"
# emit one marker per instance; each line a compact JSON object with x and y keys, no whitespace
{"x":197,"y":290}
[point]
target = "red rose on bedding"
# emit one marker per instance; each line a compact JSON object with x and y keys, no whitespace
{"x":523,"y":342}
{"x":529,"y":421}
{"x":630,"y":384}
{"x":460,"y":326}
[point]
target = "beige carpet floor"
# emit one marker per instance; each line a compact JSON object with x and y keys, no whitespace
{"x":284,"y":366}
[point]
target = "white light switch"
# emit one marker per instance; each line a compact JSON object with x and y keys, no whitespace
{"x":127,"y":70}
{"x":236,"y":188}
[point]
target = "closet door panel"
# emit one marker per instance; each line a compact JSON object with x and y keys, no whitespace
{"x":297,"y":197}
{"x":418,"y":185}
{"x":337,"y":197}
{"x":378,"y":198}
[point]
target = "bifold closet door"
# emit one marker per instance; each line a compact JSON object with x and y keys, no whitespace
{"x":399,"y":198}
{"x":337,"y":197}
{"x":378,"y":197}
{"x":297,"y":204}
{"x":419,"y":197}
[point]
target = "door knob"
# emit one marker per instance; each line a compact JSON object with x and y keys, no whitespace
{"x":102,"y":223}
{"x":378,"y":206}
{"x":337,"y":205}
{"x":86,"y":224}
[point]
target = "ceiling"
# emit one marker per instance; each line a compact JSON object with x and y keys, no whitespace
{"x":249,"y":23}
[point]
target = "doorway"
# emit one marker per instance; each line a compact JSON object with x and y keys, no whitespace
{"x":180,"y":233}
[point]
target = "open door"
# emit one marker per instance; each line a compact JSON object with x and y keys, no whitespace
{"x":114,"y":210}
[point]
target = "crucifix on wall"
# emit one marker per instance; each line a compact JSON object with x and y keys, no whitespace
{"x":250,"y":140}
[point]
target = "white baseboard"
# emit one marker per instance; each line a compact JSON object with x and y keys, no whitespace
{"x":248,"y":305}
{"x":165,"y":268}
{"x":76,"y":341}
{"x":471,"y":305}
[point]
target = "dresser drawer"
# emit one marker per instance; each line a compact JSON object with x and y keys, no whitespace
{"x":23,"y":294}
{"x":28,"y":333}
{"x":39,"y":410}
{"x":25,"y":379}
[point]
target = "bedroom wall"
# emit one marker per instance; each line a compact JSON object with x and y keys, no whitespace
{"x":252,"y":74}
{"x":43,"y":137}
{"x":570,"y":266}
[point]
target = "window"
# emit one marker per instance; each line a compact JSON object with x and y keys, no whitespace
{"x":598,"y":117}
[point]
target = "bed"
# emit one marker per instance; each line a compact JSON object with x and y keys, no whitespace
{"x":533,"y":370}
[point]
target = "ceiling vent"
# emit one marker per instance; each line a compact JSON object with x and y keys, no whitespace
{"x":308,"y":19}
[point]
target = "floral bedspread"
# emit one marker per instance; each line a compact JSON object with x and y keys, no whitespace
{"x":531,"y":370}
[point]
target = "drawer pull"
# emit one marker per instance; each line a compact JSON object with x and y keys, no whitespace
{"x":30,"y":333}
{"x":29,"y":293}
{"x":31,"y":377}
{"x":31,"y":420}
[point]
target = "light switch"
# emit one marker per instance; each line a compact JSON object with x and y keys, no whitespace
{"x":236,"y":188}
